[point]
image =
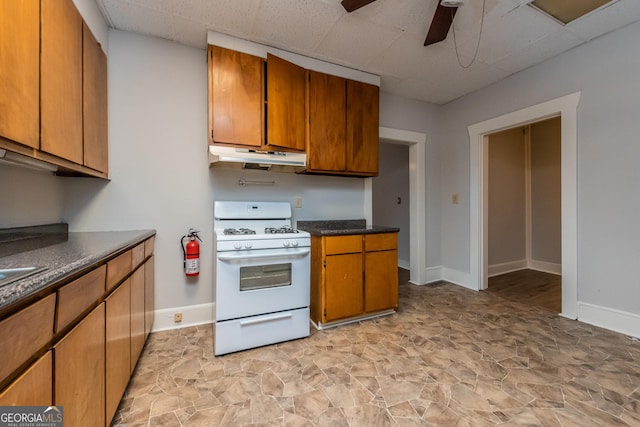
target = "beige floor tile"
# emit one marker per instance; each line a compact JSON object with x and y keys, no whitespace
{"x":449,"y":357}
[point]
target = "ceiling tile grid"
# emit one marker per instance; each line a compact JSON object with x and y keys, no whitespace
{"x":385,"y":37}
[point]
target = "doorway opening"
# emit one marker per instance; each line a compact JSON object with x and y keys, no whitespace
{"x":566,"y":108}
{"x":417,"y":198}
{"x":524,"y":214}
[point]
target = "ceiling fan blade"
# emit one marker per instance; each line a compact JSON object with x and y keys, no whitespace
{"x":351,"y":5}
{"x":442,"y":20}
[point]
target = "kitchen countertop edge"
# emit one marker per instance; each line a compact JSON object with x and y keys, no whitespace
{"x":82,"y":252}
{"x":342,"y":228}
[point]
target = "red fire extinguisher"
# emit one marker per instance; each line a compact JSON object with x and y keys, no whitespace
{"x":191,"y":253}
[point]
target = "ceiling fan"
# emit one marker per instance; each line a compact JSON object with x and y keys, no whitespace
{"x":440,"y":24}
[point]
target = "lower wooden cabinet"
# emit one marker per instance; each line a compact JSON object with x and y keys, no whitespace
{"x":118,"y":345}
{"x":353,"y":276}
{"x":381,"y":277}
{"x":79,"y":371}
{"x":137,"y":316}
{"x":34,"y":387}
{"x":84,"y":360}
{"x":344,"y":293}
{"x":149,"y":295}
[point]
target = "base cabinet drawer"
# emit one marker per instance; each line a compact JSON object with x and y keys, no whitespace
{"x":28,"y":331}
{"x":32,"y":388}
{"x":241,"y":334}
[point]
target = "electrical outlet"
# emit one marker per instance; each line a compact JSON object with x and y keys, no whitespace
{"x":177,"y":317}
{"x":297,"y":203}
{"x":455,"y":199}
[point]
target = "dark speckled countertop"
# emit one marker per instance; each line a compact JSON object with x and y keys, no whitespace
{"x":65,"y":256}
{"x":342,"y":227}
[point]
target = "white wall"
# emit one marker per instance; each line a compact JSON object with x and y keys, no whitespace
{"x":605,"y":70}
{"x":546,"y":209}
{"x":391,"y":184}
{"x":29,"y":197}
{"x":507,"y":204}
{"x":412,"y":115}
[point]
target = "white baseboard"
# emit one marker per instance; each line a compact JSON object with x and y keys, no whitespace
{"x":404,"y":264}
{"x":506,"y":267}
{"x":193,"y":315}
{"x":609,"y":318}
{"x":545,"y":267}
{"x":434,"y":274}
{"x":456,"y":277}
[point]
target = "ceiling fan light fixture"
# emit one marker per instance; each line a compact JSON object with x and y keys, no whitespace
{"x":452,"y":3}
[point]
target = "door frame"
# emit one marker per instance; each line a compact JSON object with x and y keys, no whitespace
{"x":566,"y":107}
{"x":417,"y":198}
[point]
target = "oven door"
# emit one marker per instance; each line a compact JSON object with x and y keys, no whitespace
{"x":261,"y":281}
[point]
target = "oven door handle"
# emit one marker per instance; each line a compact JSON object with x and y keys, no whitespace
{"x":237,"y":256}
{"x":265,"y":319}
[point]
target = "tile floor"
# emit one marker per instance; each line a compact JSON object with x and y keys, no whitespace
{"x":449,"y":357}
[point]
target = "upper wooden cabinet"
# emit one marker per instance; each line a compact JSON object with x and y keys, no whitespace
{"x":61,"y":80}
{"x":285,"y":104}
{"x":326,"y":108}
{"x":333,"y":119}
{"x":363,"y":112}
{"x":236,"y":97}
{"x":20,"y":70}
{"x":53,"y":90}
{"x":94,"y":103}
{"x":342,"y":127}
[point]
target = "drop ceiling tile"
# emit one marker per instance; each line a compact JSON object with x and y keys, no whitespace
{"x":140,"y":19}
{"x":419,"y":89}
{"x":545,"y":48}
{"x":410,"y":16}
{"x":524,"y":25}
{"x":300,"y":24}
{"x":356,"y":41}
{"x":189,"y":32}
{"x":405,"y":56}
{"x":233,"y":17}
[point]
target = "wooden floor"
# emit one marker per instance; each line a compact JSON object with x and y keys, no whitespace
{"x":530,"y":287}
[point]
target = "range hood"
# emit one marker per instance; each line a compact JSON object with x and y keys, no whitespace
{"x":242,"y":158}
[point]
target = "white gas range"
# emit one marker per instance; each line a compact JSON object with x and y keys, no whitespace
{"x":262,"y":276}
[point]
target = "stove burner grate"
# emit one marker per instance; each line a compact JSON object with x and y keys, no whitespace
{"x":234,"y":231}
{"x":280,"y":230}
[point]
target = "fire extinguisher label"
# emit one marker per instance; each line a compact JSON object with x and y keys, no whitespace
{"x":192,"y":266}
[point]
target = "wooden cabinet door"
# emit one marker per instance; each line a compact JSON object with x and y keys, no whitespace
{"x":343,"y":286}
{"x":34,"y":387}
{"x":362,"y":127}
{"x":285,"y":104}
{"x":326,"y":143}
{"x":79,"y":368}
{"x":61,"y":80}
{"x":94,"y":103}
{"x":149,"y":295}
{"x":137,"y":315}
{"x":118,"y":345}
{"x":381,"y":280}
{"x":20,"y":71}
{"x":236,"y":97}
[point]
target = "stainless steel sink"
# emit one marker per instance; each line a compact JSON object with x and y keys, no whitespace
{"x":10,"y":275}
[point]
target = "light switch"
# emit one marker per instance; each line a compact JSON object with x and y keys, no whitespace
{"x":297,"y":203}
{"x":455,"y":198}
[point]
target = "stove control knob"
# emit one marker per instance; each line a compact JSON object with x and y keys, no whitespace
{"x":294,"y":243}
{"x":237,"y":245}
{"x":248,"y":245}
{"x":285,"y":243}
